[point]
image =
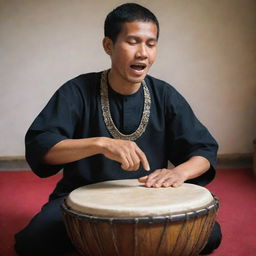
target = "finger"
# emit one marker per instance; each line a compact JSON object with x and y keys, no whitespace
{"x":177,"y":184}
{"x":143,"y":179}
{"x":150,"y":183}
{"x":154,"y":175}
{"x":172,"y":183}
{"x":161,"y":181}
{"x":167,"y":184}
{"x":135,"y":162}
{"x":157,"y":178}
{"x":143,"y":159}
{"x":125,"y":163}
{"x":158,"y":183}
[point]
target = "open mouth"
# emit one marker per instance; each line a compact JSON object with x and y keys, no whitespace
{"x":139,"y":66}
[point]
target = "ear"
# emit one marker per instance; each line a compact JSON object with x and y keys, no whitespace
{"x":107,"y":45}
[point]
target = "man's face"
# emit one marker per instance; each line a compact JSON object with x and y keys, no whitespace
{"x":134,"y":51}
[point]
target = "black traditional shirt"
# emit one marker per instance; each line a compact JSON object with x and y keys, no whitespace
{"x":74,"y":112}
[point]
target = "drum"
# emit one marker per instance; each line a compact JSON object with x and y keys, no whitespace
{"x":125,"y":218}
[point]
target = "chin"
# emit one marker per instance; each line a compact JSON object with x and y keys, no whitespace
{"x":136,"y":80}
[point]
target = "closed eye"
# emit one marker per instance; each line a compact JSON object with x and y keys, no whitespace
{"x":132,"y":42}
{"x":152,"y":43}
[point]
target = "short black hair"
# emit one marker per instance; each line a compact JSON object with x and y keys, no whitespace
{"x":127,"y":13}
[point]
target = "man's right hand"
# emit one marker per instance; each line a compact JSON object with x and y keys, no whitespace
{"x":126,"y":152}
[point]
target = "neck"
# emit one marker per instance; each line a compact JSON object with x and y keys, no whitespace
{"x":122,"y":86}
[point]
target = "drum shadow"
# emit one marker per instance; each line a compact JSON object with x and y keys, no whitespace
{"x":114,"y":185}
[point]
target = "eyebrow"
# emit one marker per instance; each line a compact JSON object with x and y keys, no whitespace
{"x":138,"y":38}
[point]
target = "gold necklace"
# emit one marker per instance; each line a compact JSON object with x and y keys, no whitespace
{"x":107,"y":114}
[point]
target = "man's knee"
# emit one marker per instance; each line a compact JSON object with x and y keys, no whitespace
{"x":30,"y":242}
{"x":45,"y":234}
{"x":27,"y":244}
{"x":214,"y":240}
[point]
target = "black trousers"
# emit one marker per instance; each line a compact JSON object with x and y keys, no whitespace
{"x":46,"y":234}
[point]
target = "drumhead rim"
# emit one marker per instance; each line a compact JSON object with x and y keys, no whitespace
{"x":170,"y":218}
{"x":130,"y":199}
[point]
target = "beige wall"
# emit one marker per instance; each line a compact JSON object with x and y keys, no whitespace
{"x":206,"y":50}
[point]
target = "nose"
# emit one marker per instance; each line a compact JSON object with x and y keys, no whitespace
{"x":142,"y":52}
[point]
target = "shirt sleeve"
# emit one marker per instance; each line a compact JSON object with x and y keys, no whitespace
{"x":187,"y":136}
{"x":56,"y":122}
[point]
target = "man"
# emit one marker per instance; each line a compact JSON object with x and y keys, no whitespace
{"x":116,"y":124}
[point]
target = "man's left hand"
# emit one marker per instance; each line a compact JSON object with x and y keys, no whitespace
{"x":163,"y":178}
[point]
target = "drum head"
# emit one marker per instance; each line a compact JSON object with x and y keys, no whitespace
{"x":129,"y":198}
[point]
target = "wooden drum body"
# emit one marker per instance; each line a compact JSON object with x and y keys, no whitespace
{"x":124,"y":218}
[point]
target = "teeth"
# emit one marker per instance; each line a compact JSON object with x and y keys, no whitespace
{"x":138,"y":66}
